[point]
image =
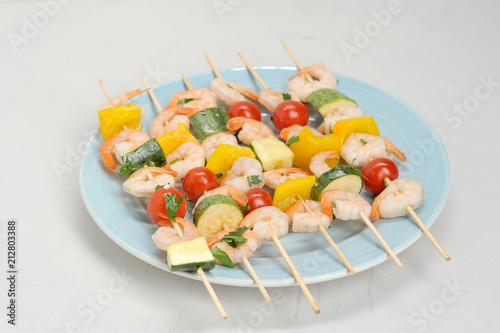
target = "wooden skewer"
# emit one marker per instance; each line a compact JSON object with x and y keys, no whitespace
{"x":252,"y":273}
{"x":106,"y":92}
{"x":296,"y":61}
{"x":187,"y":83}
{"x":203,"y":277}
{"x":214,"y":69}
{"x":424,"y":228}
{"x":382,"y":241}
{"x":296,"y":274}
{"x":254,"y":72}
{"x":151,"y":93}
{"x":329,"y":239}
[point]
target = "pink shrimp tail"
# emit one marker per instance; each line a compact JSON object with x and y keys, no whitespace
{"x":375,"y":213}
{"x":235,"y":124}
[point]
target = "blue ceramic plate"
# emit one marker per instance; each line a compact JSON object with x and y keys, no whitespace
{"x":123,"y":218}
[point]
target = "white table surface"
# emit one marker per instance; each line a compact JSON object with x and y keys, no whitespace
{"x":431,"y":54}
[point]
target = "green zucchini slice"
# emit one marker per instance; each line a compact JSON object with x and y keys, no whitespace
{"x":209,"y":121}
{"x":327,"y":101}
{"x":150,"y":151}
{"x":342,"y":177}
{"x":214,"y":211}
{"x":272,"y":153}
{"x":190,"y":255}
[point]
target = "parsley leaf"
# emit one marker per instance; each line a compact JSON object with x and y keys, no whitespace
{"x":158,"y":186}
{"x":229,"y":86}
{"x":174,"y":161}
{"x":129,"y":169}
{"x":293,"y":139}
{"x":253,"y":180}
{"x":172,"y":205}
{"x":222,"y":257}
{"x":219,"y":175}
{"x":245,"y":208}
{"x":235,"y":238}
{"x":185,"y":101}
{"x":363,"y":141}
{"x":287,"y":97}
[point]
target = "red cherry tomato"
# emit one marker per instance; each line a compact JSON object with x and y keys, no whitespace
{"x":258,"y":198}
{"x":376,"y":171}
{"x":156,"y":204}
{"x":197,"y":181}
{"x":289,"y":113}
{"x":244,"y":109}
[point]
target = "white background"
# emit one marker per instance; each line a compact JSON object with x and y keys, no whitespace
{"x":431,"y":54}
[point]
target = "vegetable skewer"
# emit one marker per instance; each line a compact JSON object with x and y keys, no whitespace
{"x":253,"y":274}
{"x":329,"y":239}
{"x":207,"y":284}
{"x":424,"y":228}
{"x":382,"y":241}
{"x":296,"y":61}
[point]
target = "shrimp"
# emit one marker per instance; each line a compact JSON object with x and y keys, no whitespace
{"x":318,"y":162}
{"x":122,"y":99}
{"x":344,"y":112}
{"x":310,"y":222}
{"x":271,"y":98}
{"x":195,"y":100}
{"x":128,"y":139}
{"x":236,"y":253}
{"x":344,"y":204}
{"x":276,"y":177}
{"x":400,"y":193}
{"x":250,"y":129}
{"x":229,"y":190}
{"x":245,"y":174}
{"x":302,"y":88}
{"x":210,"y":143}
{"x":360,"y":148}
{"x":167,"y":121}
{"x":230,"y":92}
{"x":187,"y":156}
{"x":166,"y":236}
{"x":267,"y":221}
{"x":288,"y":132}
{"x":140,"y":185}
{"x":298,"y":207}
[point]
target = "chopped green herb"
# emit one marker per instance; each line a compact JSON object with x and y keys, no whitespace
{"x":363,"y":141}
{"x":185,"y":101}
{"x":229,"y":86}
{"x":188,"y":201}
{"x":282,"y":174}
{"x":219,"y":175}
{"x":245,"y":208}
{"x":174,"y":161}
{"x":129,"y":169}
{"x":293,"y":139}
{"x":172,"y":205}
{"x":287,"y":97}
{"x":222,"y":257}
{"x":158,"y":186}
{"x":235,"y":238}
{"x":253,"y":180}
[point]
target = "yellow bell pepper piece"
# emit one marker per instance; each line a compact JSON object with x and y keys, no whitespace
{"x":224,"y":156}
{"x":286,"y":194}
{"x":170,"y":141}
{"x":343,"y":128}
{"x":115,"y":119}
{"x":310,"y":144}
